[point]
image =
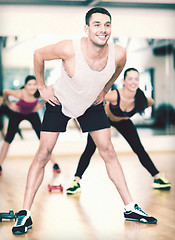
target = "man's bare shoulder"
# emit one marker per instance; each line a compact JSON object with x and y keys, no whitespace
{"x":60,"y":50}
{"x":120,"y":51}
{"x":120,"y":55}
{"x":66,"y":48}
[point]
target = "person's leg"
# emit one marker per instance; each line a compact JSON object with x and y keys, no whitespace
{"x":85,"y":157}
{"x":36,"y":170}
{"x":54,"y":122}
{"x":1,"y":124}
{"x":11,"y":131}
{"x":4,"y":151}
{"x":34,"y":180}
{"x":102,"y":139}
{"x":35,"y":120}
{"x":133,"y":212}
{"x":129,"y":132}
{"x":82,"y":165}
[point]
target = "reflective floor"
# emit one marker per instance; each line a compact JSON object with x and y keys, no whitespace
{"x":96,"y":213}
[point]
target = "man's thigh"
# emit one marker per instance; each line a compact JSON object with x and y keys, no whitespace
{"x":48,"y":140}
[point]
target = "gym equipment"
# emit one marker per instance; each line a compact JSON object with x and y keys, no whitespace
{"x":55,"y":187}
{"x":9,"y":215}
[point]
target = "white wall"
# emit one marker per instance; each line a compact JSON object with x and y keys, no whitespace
{"x":64,"y":22}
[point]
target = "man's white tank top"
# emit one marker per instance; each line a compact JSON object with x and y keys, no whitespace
{"x":78,"y":93}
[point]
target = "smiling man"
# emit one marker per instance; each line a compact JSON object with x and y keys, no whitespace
{"x":89,"y":68}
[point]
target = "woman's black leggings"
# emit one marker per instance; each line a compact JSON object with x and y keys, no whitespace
{"x":16,"y":118}
{"x":129,"y":132}
{"x":4,"y":110}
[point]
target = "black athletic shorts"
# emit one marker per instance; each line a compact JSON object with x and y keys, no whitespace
{"x":93,"y":119}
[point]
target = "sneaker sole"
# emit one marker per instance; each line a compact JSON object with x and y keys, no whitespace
{"x":168,"y":187}
{"x":72,"y":193}
{"x":20,"y":233}
{"x":136,"y":220}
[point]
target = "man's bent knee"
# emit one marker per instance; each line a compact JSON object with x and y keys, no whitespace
{"x":42,"y":157}
{"x":107,"y":151}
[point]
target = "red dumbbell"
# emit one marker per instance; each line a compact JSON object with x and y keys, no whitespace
{"x":55,"y":187}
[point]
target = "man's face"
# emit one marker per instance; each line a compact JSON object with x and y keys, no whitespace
{"x":99,"y":29}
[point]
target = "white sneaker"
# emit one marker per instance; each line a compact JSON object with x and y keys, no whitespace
{"x":138,"y":215}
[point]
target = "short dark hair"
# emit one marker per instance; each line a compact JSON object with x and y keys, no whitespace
{"x":96,"y":10}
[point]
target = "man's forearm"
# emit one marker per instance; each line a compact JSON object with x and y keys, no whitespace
{"x":113,"y":79}
{"x":109,"y":84}
{"x":39,"y":70}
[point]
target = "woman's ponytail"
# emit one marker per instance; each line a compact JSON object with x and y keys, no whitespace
{"x":140,"y":101}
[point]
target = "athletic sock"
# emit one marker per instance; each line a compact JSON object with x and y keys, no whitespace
{"x":129,"y":206}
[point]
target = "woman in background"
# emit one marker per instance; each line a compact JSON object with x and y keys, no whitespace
{"x":120,"y":106}
{"x":26,"y":108}
{"x":5,"y":111}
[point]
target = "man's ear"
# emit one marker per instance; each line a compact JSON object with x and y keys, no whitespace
{"x":86,"y":29}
